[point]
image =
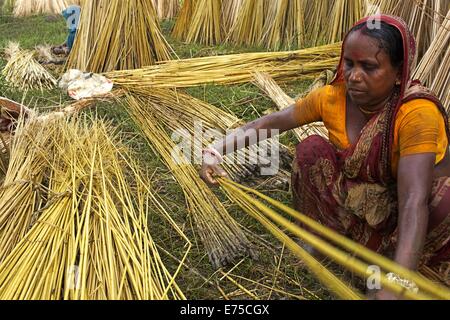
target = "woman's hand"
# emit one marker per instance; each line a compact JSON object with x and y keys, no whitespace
{"x":271,"y":125}
{"x":211,"y":166}
{"x":208,"y":171}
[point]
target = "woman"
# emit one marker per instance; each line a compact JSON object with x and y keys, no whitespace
{"x":383,"y":177}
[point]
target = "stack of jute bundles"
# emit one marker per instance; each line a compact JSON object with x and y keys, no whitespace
{"x":23,"y":8}
{"x":74,"y":210}
{"x":277,"y":24}
{"x":117,"y":35}
{"x":23,"y":71}
{"x":166,"y":9}
{"x":429,"y":22}
{"x":232,"y":69}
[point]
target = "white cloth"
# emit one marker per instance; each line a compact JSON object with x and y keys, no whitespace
{"x":80,"y":85}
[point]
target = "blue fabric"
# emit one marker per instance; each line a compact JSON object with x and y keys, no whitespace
{"x":72,"y":12}
{"x":71,"y":39}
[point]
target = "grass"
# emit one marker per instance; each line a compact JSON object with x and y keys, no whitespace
{"x":198,"y":280}
{"x":32,"y":31}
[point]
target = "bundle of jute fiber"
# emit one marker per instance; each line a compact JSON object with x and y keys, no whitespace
{"x":181,"y":26}
{"x":343,"y":15}
{"x":23,"y":8}
{"x":231,"y":69}
{"x":24,"y":72}
{"x":25,"y":166}
{"x":285,"y":25}
{"x":200,"y":123}
{"x":11,"y":112}
{"x":316,"y":20}
{"x":424,"y":18}
{"x":221,"y":235}
{"x":282,"y":100}
{"x":441,"y":83}
{"x":294,"y":23}
{"x":89,"y":238}
{"x":166,"y":9}
{"x":230,"y":12}
{"x":353,"y":256}
{"x":117,"y":35}
{"x":248,"y":26}
{"x":19,"y":194}
{"x":434,"y":68}
{"x":206,"y":27}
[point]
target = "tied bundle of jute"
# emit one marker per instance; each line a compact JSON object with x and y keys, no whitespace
{"x":187,"y":116}
{"x":434,"y":68}
{"x":24,"y":72}
{"x":23,"y":8}
{"x":231,"y":69}
{"x":74,"y":218}
{"x":117,"y":35}
{"x":205,"y":26}
{"x":166,"y":9}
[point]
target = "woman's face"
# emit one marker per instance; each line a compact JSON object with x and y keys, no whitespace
{"x":368,"y":72}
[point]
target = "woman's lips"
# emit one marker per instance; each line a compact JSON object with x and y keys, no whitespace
{"x":356,"y":92}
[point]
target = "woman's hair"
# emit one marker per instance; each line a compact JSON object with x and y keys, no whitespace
{"x":388,"y":36}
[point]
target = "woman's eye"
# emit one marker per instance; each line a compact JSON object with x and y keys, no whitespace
{"x":370,"y":67}
{"x":348,"y":64}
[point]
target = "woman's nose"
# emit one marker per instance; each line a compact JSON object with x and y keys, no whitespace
{"x":355,"y":75}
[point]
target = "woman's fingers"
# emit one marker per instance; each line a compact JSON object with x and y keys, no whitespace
{"x":209,"y":173}
{"x":206,"y":174}
{"x":219,"y":171}
{"x":210,"y":177}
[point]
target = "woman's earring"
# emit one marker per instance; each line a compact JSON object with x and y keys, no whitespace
{"x":398,"y":82}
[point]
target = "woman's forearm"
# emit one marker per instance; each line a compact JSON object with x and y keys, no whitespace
{"x":256,"y":131}
{"x":244,"y":137}
{"x":415,"y":179}
{"x":413,"y":223}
